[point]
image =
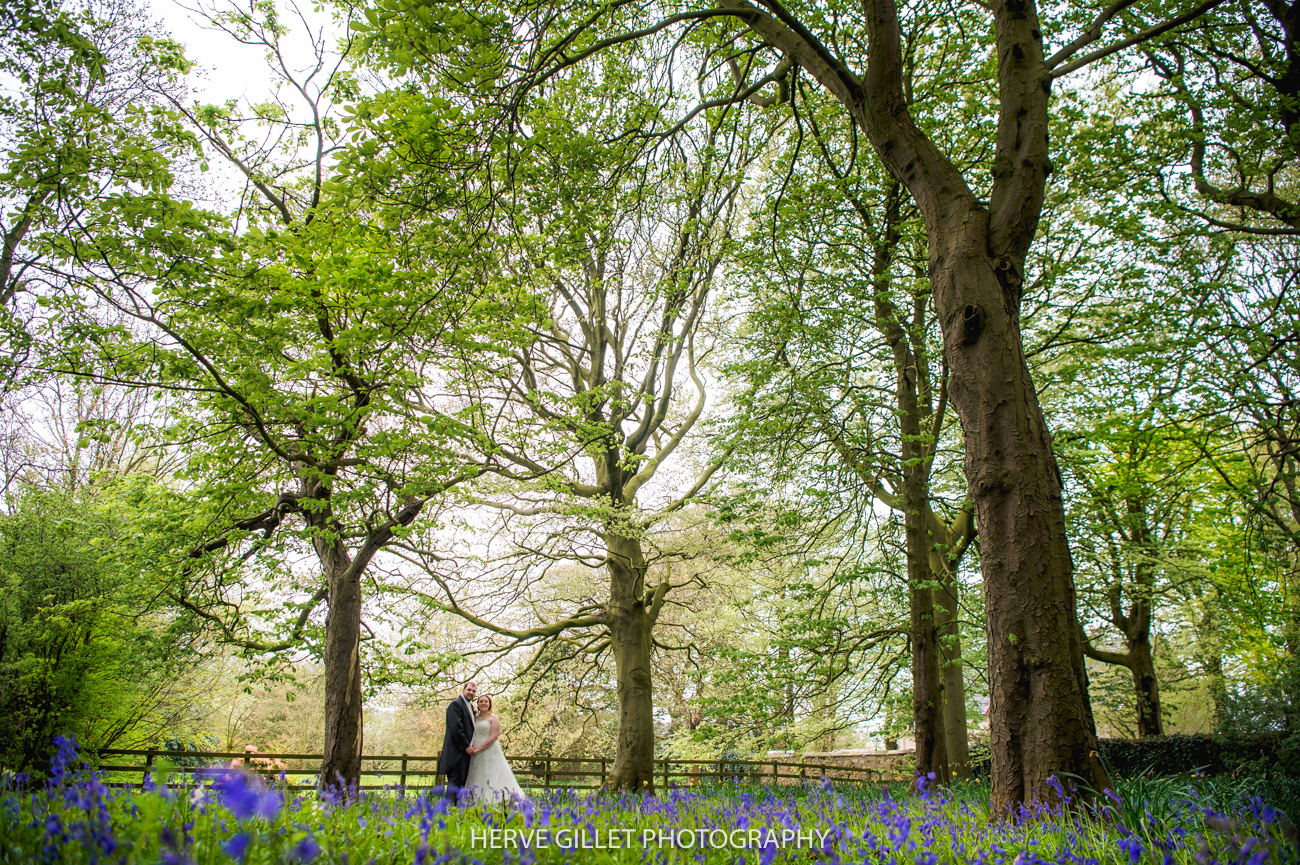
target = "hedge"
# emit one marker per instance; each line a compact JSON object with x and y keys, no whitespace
{"x":1211,"y":755}
{"x":1262,"y":753}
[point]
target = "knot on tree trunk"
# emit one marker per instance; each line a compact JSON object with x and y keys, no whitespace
{"x":1011,"y":277}
{"x":995,"y":478}
{"x":972,"y":324}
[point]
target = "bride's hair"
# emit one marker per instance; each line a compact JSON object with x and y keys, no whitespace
{"x":489,"y":699}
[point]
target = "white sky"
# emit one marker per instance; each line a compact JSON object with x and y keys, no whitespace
{"x":225,"y":69}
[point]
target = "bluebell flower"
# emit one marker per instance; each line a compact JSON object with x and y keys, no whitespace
{"x":236,"y":847}
{"x":268,"y":805}
{"x":305,"y":850}
{"x":65,"y":759}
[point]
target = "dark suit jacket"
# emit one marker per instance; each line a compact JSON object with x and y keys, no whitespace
{"x":460,"y":732}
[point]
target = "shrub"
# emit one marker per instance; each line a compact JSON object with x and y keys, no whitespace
{"x":1209,"y":755}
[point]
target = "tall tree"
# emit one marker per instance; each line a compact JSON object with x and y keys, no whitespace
{"x":821,"y":317}
{"x":1229,"y":107}
{"x":298,"y":328}
{"x":1135,"y":506}
{"x":1245,"y":422}
{"x":1041,"y":720}
{"x":584,"y":404}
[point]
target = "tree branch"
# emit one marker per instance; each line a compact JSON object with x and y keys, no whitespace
{"x":1136,"y":38}
{"x":1091,"y":35}
{"x":1106,"y":657}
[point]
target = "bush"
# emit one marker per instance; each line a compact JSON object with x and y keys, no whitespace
{"x":81,"y":653}
{"x":1211,"y":755}
{"x":1264,"y":754}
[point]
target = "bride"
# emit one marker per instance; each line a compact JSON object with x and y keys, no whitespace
{"x":490,"y":778}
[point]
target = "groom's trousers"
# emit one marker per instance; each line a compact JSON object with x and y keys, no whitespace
{"x":457,"y":775}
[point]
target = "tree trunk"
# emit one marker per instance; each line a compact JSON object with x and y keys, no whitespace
{"x":1136,"y":625}
{"x":955,"y":731}
{"x":1040,"y":714}
{"x":927,"y":689}
{"x":630,"y":622}
{"x":909,"y":367}
{"x":927,"y":685}
{"x":1146,"y":688}
{"x":341,"y":765}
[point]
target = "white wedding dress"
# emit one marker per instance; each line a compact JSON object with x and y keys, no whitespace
{"x":490,"y":777}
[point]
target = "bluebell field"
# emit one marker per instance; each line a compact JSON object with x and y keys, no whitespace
{"x":230,"y":816}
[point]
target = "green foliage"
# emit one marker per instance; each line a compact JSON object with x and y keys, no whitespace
{"x":298,"y":335}
{"x":397,"y":318}
{"x":81,"y":651}
{"x":89,"y":85}
{"x":1232,"y":754}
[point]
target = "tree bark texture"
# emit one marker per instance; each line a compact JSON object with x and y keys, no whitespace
{"x":341,"y":765}
{"x":1040,"y":717}
{"x":631,"y":618}
{"x":1147,"y":690}
{"x":948,"y":544}
{"x":927,"y":683}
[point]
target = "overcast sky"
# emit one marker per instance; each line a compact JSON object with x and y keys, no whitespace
{"x":226,"y":69}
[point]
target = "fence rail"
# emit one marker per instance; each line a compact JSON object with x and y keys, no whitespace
{"x":414,"y":771}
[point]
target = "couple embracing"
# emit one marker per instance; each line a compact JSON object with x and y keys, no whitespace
{"x":471,"y":756}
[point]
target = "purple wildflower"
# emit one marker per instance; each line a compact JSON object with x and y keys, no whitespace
{"x":305,"y":850}
{"x":236,"y":847}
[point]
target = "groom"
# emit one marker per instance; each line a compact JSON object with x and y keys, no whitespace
{"x":454,"y":762}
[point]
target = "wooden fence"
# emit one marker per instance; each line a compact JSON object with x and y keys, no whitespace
{"x":127,"y":767}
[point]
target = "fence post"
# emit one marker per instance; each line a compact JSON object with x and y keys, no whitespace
{"x":665,"y":768}
{"x":148,"y":764}
{"x":401,"y":791}
{"x":776,"y":775}
{"x":547,"y":770}
{"x":602,"y":772}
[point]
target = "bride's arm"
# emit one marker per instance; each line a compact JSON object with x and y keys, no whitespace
{"x":494,"y":733}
